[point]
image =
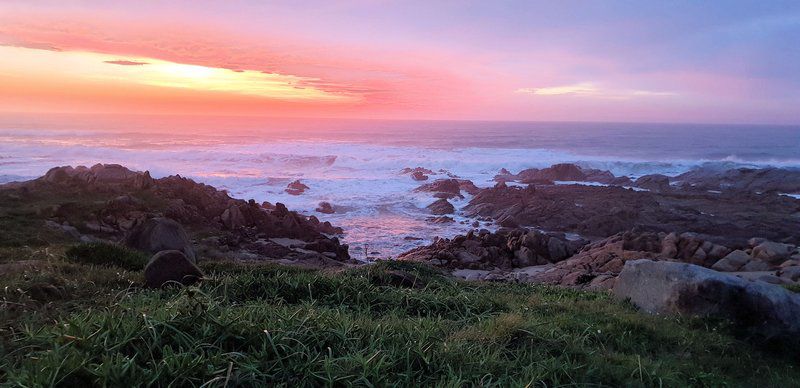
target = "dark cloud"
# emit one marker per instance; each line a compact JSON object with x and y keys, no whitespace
{"x":127,"y":63}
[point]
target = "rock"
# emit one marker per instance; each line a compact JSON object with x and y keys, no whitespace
{"x":557,"y":249}
{"x":100,"y":176}
{"x":653,"y":182}
{"x":732,"y":262}
{"x":468,"y":187}
{"x":773,"y":252}
{"x":440,"y":220}
{"x":755,"y":241}
{"x":325,"y":208}
{"x":296,"y":188}
{"x":791,"y":273}
{"x":598,"y":212}
{"x":508,"y":222}
{"x":766,"y":312}
{"x":772,"y":279}
{"x":232,"y":218}
{"x":442,"y":188}
{"x":755,"y":265}
{"x":467,"y":258}
{"x":421,"y":170}
{"x":160,"y":234}
{"x":441,"y":206}
{"x":669,"y":246}
{"x":170,"y":266}
{"x":770,"y":179}
{"x":418,"y":176}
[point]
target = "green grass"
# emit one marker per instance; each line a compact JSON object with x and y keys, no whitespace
{"x":387,"y":324}
{"x":107,"y":254}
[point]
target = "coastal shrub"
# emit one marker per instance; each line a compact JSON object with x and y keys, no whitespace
{"x":108,"y":254}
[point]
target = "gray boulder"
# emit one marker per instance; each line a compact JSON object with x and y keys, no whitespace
{"x":765,"y":311}
{"x":170,"y":266}
{"x":732,"y":262}
{"x":755,"y":266}
{"x":773,"y":252}
{"x":160,"y":234}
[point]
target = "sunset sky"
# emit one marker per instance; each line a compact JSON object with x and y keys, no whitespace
{"x":685,"y":61}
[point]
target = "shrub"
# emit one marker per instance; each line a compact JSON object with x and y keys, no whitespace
{"x":107,"y":254}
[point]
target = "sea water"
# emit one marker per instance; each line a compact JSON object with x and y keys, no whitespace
{"x":355,"y":164}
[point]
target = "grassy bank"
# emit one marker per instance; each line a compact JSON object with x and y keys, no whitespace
{"x":69,"y":323}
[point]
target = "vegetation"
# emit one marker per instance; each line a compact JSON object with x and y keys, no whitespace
{"x":392,"y":323}
{"x":107,"y":254}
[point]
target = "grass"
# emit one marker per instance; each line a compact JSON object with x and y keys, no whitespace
{"x":386,"y":324}
{"x":107,"y":254}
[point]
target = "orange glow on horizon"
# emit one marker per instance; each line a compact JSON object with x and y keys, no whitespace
{"x":45,"y":67}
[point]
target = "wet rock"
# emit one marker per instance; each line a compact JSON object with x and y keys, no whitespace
{"x":170,"y":266}
{"x":418,"y":176}
{"x":296,"y":188}
{"x":442,"y":188}
{"x":770,"y":179}
{"x":440,"y":220}
{"x":441,"y":206}
{"x":325,"y":208}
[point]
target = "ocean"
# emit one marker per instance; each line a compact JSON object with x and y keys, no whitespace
{"x":355,"y":164}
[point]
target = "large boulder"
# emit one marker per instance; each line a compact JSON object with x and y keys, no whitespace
{"x":773,"y":252}
{"x":160,"y":234}
{"x":170,"y":266}
{"x":764,"y":311}
{"x":732,"y":262}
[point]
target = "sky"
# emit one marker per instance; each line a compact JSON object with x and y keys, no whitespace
{"x":631,"y":61}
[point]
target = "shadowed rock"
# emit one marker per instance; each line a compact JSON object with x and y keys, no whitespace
{"x":160,"y":234}
{"x":764,"y":311}
{"x":170,"y":266}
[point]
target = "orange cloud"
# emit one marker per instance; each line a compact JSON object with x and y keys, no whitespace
{"x":361,"y":81}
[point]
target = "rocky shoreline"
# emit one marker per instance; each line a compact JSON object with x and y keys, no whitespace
{"x":564,"y":225}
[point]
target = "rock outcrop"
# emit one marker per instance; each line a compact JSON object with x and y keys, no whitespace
{"x":771,"y":179}
{"x":235,"y":228}
{"x":764,"y":311}
{"x":596,"y":212}
{"x":506,"y":249}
